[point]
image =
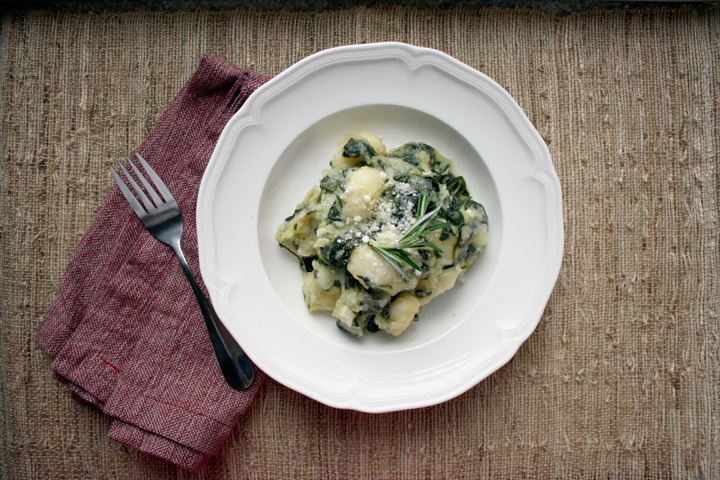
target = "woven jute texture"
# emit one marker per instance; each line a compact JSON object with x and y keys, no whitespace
{"x":620,"y":379}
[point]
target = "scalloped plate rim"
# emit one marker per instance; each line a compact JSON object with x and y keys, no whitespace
{"x":354,"y":398}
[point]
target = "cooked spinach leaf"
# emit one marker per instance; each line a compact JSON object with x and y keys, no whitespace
{"x":453,"y":214}
{"x":359,"y":147}
{"x":456,"y":185}
{"x":335,"y":212}
{"x":337,"y":253}
{"x":371,"y":326}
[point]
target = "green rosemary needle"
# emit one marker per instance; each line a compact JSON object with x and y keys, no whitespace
{"x":397,"y":254}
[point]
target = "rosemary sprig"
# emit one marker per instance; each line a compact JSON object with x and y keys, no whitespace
{"x":396,"y":254}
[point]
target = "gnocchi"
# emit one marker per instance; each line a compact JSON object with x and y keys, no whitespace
{"x":383,"y":234}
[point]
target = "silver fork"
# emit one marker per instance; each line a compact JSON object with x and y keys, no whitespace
{"x":163,"y":219}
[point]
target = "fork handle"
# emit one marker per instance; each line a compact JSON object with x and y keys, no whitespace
{"x":234,"y":363}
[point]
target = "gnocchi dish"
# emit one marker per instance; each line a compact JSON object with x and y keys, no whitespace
{"x":383,"y":234}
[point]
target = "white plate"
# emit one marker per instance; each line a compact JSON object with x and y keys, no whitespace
{"x":273,"y":150}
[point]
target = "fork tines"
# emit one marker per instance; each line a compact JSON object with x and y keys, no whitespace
{"x":145,"y":205}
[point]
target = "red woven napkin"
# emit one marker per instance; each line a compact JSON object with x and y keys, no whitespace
{"x":125,"y":332}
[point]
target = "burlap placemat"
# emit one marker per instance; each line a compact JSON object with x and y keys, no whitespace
{"x":620,"y":379}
